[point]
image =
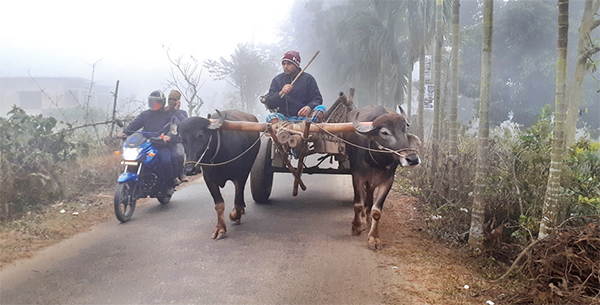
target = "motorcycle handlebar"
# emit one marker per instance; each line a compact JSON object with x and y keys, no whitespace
{"x":152,"y":139}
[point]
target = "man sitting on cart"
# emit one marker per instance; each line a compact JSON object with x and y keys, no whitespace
{"x":295,"y":101}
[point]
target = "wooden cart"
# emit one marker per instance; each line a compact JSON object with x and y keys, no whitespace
{"x":286,"y":145}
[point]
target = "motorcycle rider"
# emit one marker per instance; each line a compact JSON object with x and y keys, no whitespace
{"x":157,"y":120}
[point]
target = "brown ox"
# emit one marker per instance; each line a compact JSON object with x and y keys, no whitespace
{"x":382,"y":147}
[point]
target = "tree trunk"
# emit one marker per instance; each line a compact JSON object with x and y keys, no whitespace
{"x":478,"y":210}
{"x":411,"y":64}
{"x":420,"y":127}
{"x":553,"y":193}
{"x":439,"y":38}
{"x":584,"y":53}
{"x":453,"y":150}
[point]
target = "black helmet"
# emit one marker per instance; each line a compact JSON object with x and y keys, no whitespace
{"x":155,"y":99}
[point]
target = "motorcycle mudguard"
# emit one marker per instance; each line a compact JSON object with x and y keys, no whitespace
{"x":127,"y":176}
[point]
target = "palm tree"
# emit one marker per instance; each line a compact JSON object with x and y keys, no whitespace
{"x":415,"y":38}
{"x":421,"y":97}
{"x":585,"y":50}
{"x":478,"y":208}
{"x":453,"y":150}
{"x":420,"y":34}
{"x":551,"y":202}
{"x":380,"y":43}
{"x":439,"y":39}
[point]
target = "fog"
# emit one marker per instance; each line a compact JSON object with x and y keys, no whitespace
{"x":128,"y":40}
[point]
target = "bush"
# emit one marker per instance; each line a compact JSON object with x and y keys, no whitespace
{"x":33,"y":158}
{"x":517,"y":177}
{"x":583,"y":184}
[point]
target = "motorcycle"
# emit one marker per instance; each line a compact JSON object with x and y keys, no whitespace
{"x":140,"y":179}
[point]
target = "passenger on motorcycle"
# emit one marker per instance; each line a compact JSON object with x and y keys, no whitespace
{"x":157,"y":120}
{"x":177,"y":151}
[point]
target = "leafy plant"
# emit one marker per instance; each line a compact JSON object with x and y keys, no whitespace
{"x":32,"y":158}
{"x":584,"y":183}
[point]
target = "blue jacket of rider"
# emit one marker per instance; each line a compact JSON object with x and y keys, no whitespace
{"x":151,"y":121}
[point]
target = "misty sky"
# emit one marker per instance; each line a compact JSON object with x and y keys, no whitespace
{"x":126,"y":38}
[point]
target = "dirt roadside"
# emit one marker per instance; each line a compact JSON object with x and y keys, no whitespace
{"x":425,"y":270}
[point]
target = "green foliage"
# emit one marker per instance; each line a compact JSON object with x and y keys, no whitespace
{"x":517,"y":178}
{"x":362,"y":44}
{"x":526,"y":228}
{"x":32,"y":158}
{"x":583,"y":185}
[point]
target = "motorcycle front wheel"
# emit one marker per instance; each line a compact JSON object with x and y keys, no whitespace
{"x":163,"y":198}
{"x":124,"y":201}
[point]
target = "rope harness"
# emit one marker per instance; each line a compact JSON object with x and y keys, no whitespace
{"x":380,"y":149}
{"x":212,"y":160}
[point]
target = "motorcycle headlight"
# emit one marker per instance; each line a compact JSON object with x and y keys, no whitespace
{"x":131,"y":154}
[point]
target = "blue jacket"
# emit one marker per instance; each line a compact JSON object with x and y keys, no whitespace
{"x":305,"y":93}
{"x":151,"y":121}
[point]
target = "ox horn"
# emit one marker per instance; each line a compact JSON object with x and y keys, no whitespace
{"x":219,"y":122}
{"x":406,"y":118}
{"x":360,"y":128}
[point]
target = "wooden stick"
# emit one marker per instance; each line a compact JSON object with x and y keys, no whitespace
{"x":301,"y":158}
{"x":285,"y":159}
{"x":301,"y":71}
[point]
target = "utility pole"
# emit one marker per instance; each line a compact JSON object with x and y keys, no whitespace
{"x":114,"y":114}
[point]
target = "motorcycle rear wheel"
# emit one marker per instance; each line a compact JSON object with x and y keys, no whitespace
{"x":124,"y":201}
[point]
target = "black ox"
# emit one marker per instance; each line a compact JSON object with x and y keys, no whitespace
{"x":384,"y":145}
{"x":212,"y":148}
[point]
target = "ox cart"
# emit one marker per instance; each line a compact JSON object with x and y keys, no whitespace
{"x":285,"y":146}
{"x":369,"y":148}
{"x":288,"y":144}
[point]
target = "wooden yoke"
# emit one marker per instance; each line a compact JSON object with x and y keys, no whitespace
{"x":300,"y":127}
{"x":284,"y":129}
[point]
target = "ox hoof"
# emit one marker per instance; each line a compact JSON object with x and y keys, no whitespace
{"x":236,"y":215}
{"x":374,"y":243}
{"x":218,"y":234}
{"x":356,"y":230}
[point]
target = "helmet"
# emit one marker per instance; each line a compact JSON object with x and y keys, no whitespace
{"x":156,"y":100}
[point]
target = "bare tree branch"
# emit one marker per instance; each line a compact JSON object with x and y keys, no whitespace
{"x":190,"y":86}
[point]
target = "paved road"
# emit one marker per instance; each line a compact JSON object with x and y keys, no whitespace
{"x":294,"y":250}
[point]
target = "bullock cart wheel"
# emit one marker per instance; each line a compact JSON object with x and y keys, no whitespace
{"x":261,"y":178}
{"x":124,"y":201}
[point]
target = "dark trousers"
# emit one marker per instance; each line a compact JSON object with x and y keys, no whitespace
{"x":166,"y":172}
{"x":178,"y":157}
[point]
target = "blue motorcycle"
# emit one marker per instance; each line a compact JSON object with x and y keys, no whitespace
{"x":141,"y":177}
